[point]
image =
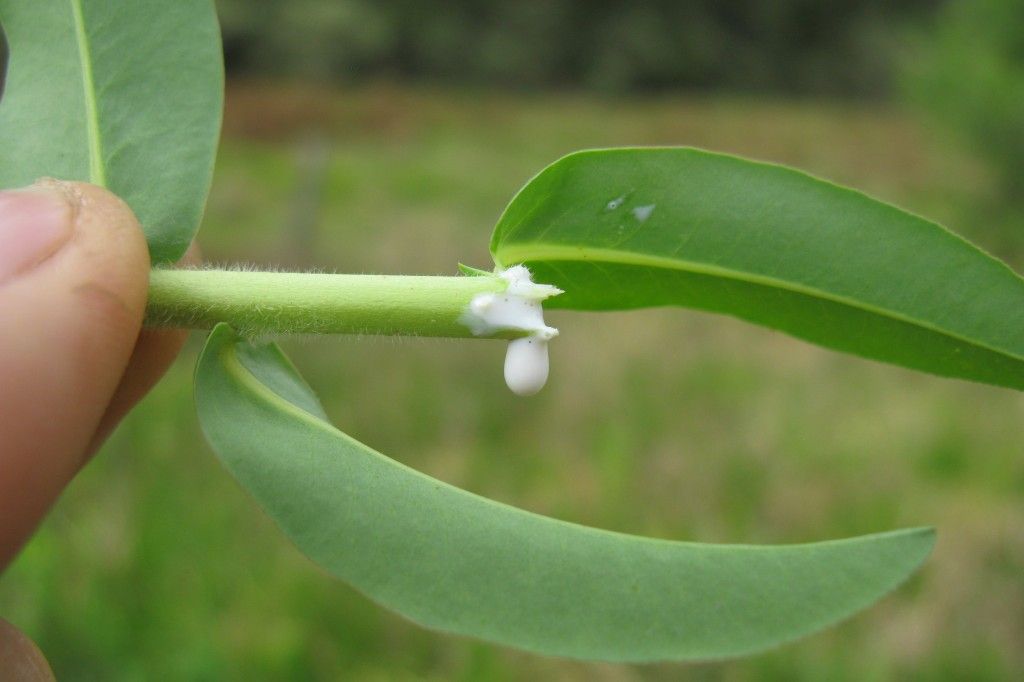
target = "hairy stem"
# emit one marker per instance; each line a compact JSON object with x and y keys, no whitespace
{"x":310,"y":303}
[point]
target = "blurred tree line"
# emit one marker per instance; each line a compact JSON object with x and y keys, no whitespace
{"x":833,"y":47}
{"x":967,"y":71}
{"x":962,"y":61}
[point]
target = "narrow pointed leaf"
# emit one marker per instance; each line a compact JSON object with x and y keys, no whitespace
{"x":628,"y":228}
{"x":122,"y":93}
{"x":457,"y":562}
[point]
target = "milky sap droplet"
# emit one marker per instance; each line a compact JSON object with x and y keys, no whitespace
{"x":526,"y":365}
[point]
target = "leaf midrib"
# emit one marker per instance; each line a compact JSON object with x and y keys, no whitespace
{"x":97,"y":173}
{"x":579,"y":254}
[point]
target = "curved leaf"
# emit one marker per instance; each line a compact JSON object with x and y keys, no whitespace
{"x":121,"y":93}
{"x":457,"y":562}
{"x":628,"y":228}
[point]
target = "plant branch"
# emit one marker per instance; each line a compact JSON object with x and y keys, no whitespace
{"x":311,"y":303}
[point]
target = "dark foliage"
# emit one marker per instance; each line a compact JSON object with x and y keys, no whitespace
{"x":790,"y":46}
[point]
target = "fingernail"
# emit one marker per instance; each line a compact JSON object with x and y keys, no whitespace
{"x":34,"y":223}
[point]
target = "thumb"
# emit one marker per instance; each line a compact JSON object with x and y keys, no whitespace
{"x":73,"y":278}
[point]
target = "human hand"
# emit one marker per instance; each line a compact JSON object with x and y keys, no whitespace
{"x":74,"y":359}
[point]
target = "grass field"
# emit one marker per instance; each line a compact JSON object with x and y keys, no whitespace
{"x":668,"y":423}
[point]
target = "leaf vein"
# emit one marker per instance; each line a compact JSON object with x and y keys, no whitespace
{"x":97,"y":172}
{"x":554,"y":252}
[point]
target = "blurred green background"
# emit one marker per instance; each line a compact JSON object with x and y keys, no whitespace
{"x":386,"y":137}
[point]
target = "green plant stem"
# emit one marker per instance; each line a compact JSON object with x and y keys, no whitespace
{"x":312,"y":303}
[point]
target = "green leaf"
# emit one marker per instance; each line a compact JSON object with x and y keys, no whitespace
{"x":628,"y":228}
{"x":470,"y":271}
{"x":121,"y":93}
{"x":457,"y":562}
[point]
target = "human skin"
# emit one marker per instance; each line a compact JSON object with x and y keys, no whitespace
{"x":74,"y":358}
